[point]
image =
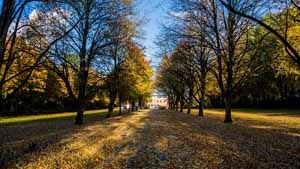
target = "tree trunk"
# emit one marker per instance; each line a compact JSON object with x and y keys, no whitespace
{"x":2,"y":103}
{"x":110,"y":109}
{"x":227,"y":112}
{"x":229,"y":64}
{"x":11,"y":13}
{"x":140,"y":103}
{"x":170,"y":102}
{"x":286,"y":92}
{"x":80,"y":112}
{"x":228,"y":97}
{"x":189,"y":109}
{"x":190,"y":100}
{"x":111,"y":104}
{"x":68,"y":86}
{"x":83,"y":69}
{"x":176,"y":105}
{"x":79,"y":116}
{"x":181,"y":105}
{"x":81,"y":97}
{"x":279,"y":83}
{"x":5,"y":22}
{"x":120,"y":105}
{"x":203,"y":93}
{"x":133,"y":106}
{"x":201,"y":108}
{"x":81,"y":108}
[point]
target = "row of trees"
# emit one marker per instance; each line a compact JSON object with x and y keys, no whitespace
{"x":233,"y":52}
{"x":58,"y":54}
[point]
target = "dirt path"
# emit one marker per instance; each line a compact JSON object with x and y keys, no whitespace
{"x":162,"y":139}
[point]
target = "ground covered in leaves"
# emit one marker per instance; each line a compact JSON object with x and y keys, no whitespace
{"x":157,"y":139}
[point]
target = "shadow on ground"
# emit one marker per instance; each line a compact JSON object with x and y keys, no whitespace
{"x":164,"y":139}
{"x":174,"y":140}
{"x":33,"y":136}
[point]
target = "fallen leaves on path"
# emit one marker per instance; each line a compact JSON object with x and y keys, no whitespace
{"x":163,"y":139}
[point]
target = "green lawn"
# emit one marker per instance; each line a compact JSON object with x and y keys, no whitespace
{"x":57,"y":116}
{"x":270,"y":112}
{"x":266,"y":112}
{"x":90,"y":114}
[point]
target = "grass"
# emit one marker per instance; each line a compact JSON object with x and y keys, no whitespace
{"x":157,"y":139}
{"x":268,"y":112}
{"x":23,"y":134}
{"x":276,"y":117}
{"x":47,"y":117}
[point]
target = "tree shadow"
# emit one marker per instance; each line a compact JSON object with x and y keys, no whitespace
{"x":163,"y":139}
{"x":21,"y":138}
{"x":193,"y":142}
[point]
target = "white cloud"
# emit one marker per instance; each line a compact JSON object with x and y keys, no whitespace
{"x":181,"y":14}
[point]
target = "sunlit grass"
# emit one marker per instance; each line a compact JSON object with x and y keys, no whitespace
{"x":270,"y":112}
{"x":267,"y":117}
{"x":46,"y":117}
{"x":158,"y":139}
{"x":253,"y":113}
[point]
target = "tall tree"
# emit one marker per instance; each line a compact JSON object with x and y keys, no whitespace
{"x":223,"y":32}
{"x":16,"y":25}
{"x":86,"y":44}
{"x":123,"y":32}
{"x":255,"y":9}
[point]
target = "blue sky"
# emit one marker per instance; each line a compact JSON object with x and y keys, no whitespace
{"x":154,"y":12}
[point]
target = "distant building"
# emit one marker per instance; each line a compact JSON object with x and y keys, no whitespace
{"x":158,"y":101}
